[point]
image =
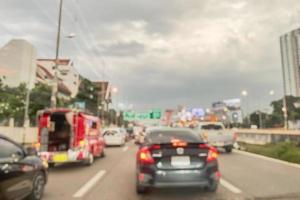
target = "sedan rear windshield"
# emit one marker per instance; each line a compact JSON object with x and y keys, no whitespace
{"x":211,"y":127}
{"x":110,"y":132}
{"x":167,"y":136}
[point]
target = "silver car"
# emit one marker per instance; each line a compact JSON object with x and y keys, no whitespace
{"x":216,"y":135}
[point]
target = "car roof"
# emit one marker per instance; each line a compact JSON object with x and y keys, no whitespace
{"x":168,"y":129}
{"x":4,"y":137}
{"x":112,"y":128}
{"x":9,"y":139}
{"x":206,"y":123}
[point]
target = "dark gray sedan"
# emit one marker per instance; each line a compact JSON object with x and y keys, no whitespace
{"x":171,"y":157}
{"x":22,"y":172}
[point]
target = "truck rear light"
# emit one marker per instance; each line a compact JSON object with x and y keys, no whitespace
{"x":80,"y":156}
{"x":234,"y":136}
{"x":212,"y":154}
{"x":82,"y":143}
{"x":37,"y":146}
{"x":144,"y":156}
{"x":141,"y":177}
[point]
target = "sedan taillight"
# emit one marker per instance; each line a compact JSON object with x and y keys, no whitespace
{"x":234,"y":136}
{"x":144,"y":156}
{"x":212,"y":152}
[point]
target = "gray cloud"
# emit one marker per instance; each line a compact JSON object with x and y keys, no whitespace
{"x":119,"y":49}
{"x":164,"y":53}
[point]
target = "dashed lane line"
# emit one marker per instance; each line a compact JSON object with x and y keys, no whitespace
{"x":89,"y":185}
{"x":229,"y":186}
{"x":125,"y":148}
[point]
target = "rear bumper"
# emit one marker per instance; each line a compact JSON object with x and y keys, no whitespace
{"x":222,"y":144}
{"x":203,"y":183}
{"x":114,"y":142}
{"x":178,"y":178}
{"x":69,"y":156}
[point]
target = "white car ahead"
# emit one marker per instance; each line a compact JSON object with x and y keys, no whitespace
{"x":114,"y":136}
{"x":217,"y":135}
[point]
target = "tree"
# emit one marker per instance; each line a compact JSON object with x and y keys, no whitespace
{"x":12,"y":103}
{"x":112,"y":116}
{"x":88,"y":95}
{"x":293,"y":112}
{"x":39,"y":99}
{"x":256,"y":116}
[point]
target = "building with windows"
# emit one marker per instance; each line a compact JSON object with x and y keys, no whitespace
{"x":68,"y":77}
{"x":290,"y":57}
{"x":17,"y":63}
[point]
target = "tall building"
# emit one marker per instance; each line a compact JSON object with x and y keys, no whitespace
{"x":17,"y":63}
{"x":290,"y":58}
{"x":68,"y":77}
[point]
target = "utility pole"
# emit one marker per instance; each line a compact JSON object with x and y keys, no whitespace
{"x":260,"y":119}
{"x":55,"y":81}
{"x":27,"y":99}
{"x":284,"y":102}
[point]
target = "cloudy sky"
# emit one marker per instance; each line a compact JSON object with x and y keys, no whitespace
{"x":164,"y":53}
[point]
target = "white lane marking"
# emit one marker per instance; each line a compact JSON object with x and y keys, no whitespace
{"x":230,"y":187}
{"x":84,"y":189}
{"x":125,"y":148}
{"x":268,"y":158}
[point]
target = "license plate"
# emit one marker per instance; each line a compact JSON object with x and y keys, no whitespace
{"x":180,"y":161}
{"x":60,"y":157}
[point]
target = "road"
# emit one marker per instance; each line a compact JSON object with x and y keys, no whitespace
{"x":244,"y":176}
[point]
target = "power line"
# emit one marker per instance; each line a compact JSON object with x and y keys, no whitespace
{"x":81,"y":52}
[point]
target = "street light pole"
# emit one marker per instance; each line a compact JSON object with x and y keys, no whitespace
{"x":284,"y":107}
{"x":245,"y":112}
{"x":55,"y":82}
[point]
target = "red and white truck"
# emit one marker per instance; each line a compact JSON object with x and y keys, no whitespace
{"x":66,"y":135}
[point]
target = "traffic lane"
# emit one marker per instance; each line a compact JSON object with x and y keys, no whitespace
{"x":66,"y":179}
{"x":260,"y":178}
{"x":119,"y":183}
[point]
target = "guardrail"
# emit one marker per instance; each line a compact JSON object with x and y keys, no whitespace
{"x":265,"y":136}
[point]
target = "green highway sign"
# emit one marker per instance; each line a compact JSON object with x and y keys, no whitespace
{"x":135,"y":116}
{"x":129,"y":116}
{"x":155,"y":114}
{"x":141,"y":116}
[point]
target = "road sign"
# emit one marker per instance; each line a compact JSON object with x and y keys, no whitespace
{"x":80,"y":104}
{"x":129,"y":116}
{"x":136,"y":116}
{"x":142,"y":116}
{"x":155,"y":114}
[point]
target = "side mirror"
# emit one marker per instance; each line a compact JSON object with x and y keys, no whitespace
{"x":31,"y":151}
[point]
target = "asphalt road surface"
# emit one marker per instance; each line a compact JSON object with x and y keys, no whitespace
{"x":244,"y":176}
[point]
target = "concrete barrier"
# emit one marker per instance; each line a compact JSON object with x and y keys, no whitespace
{"x":20,"y":134}
{"x":265,"y":136}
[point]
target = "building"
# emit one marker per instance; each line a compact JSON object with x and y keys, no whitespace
{"x":17,"y":63}
{"x":68,"y":77}
{"x":290,"y":57}
{"x":228,"y":111}
{"x":104,"y":93}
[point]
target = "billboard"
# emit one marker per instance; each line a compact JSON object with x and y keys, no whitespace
{"x":233,"y":104}
{"x":229,"y":109}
